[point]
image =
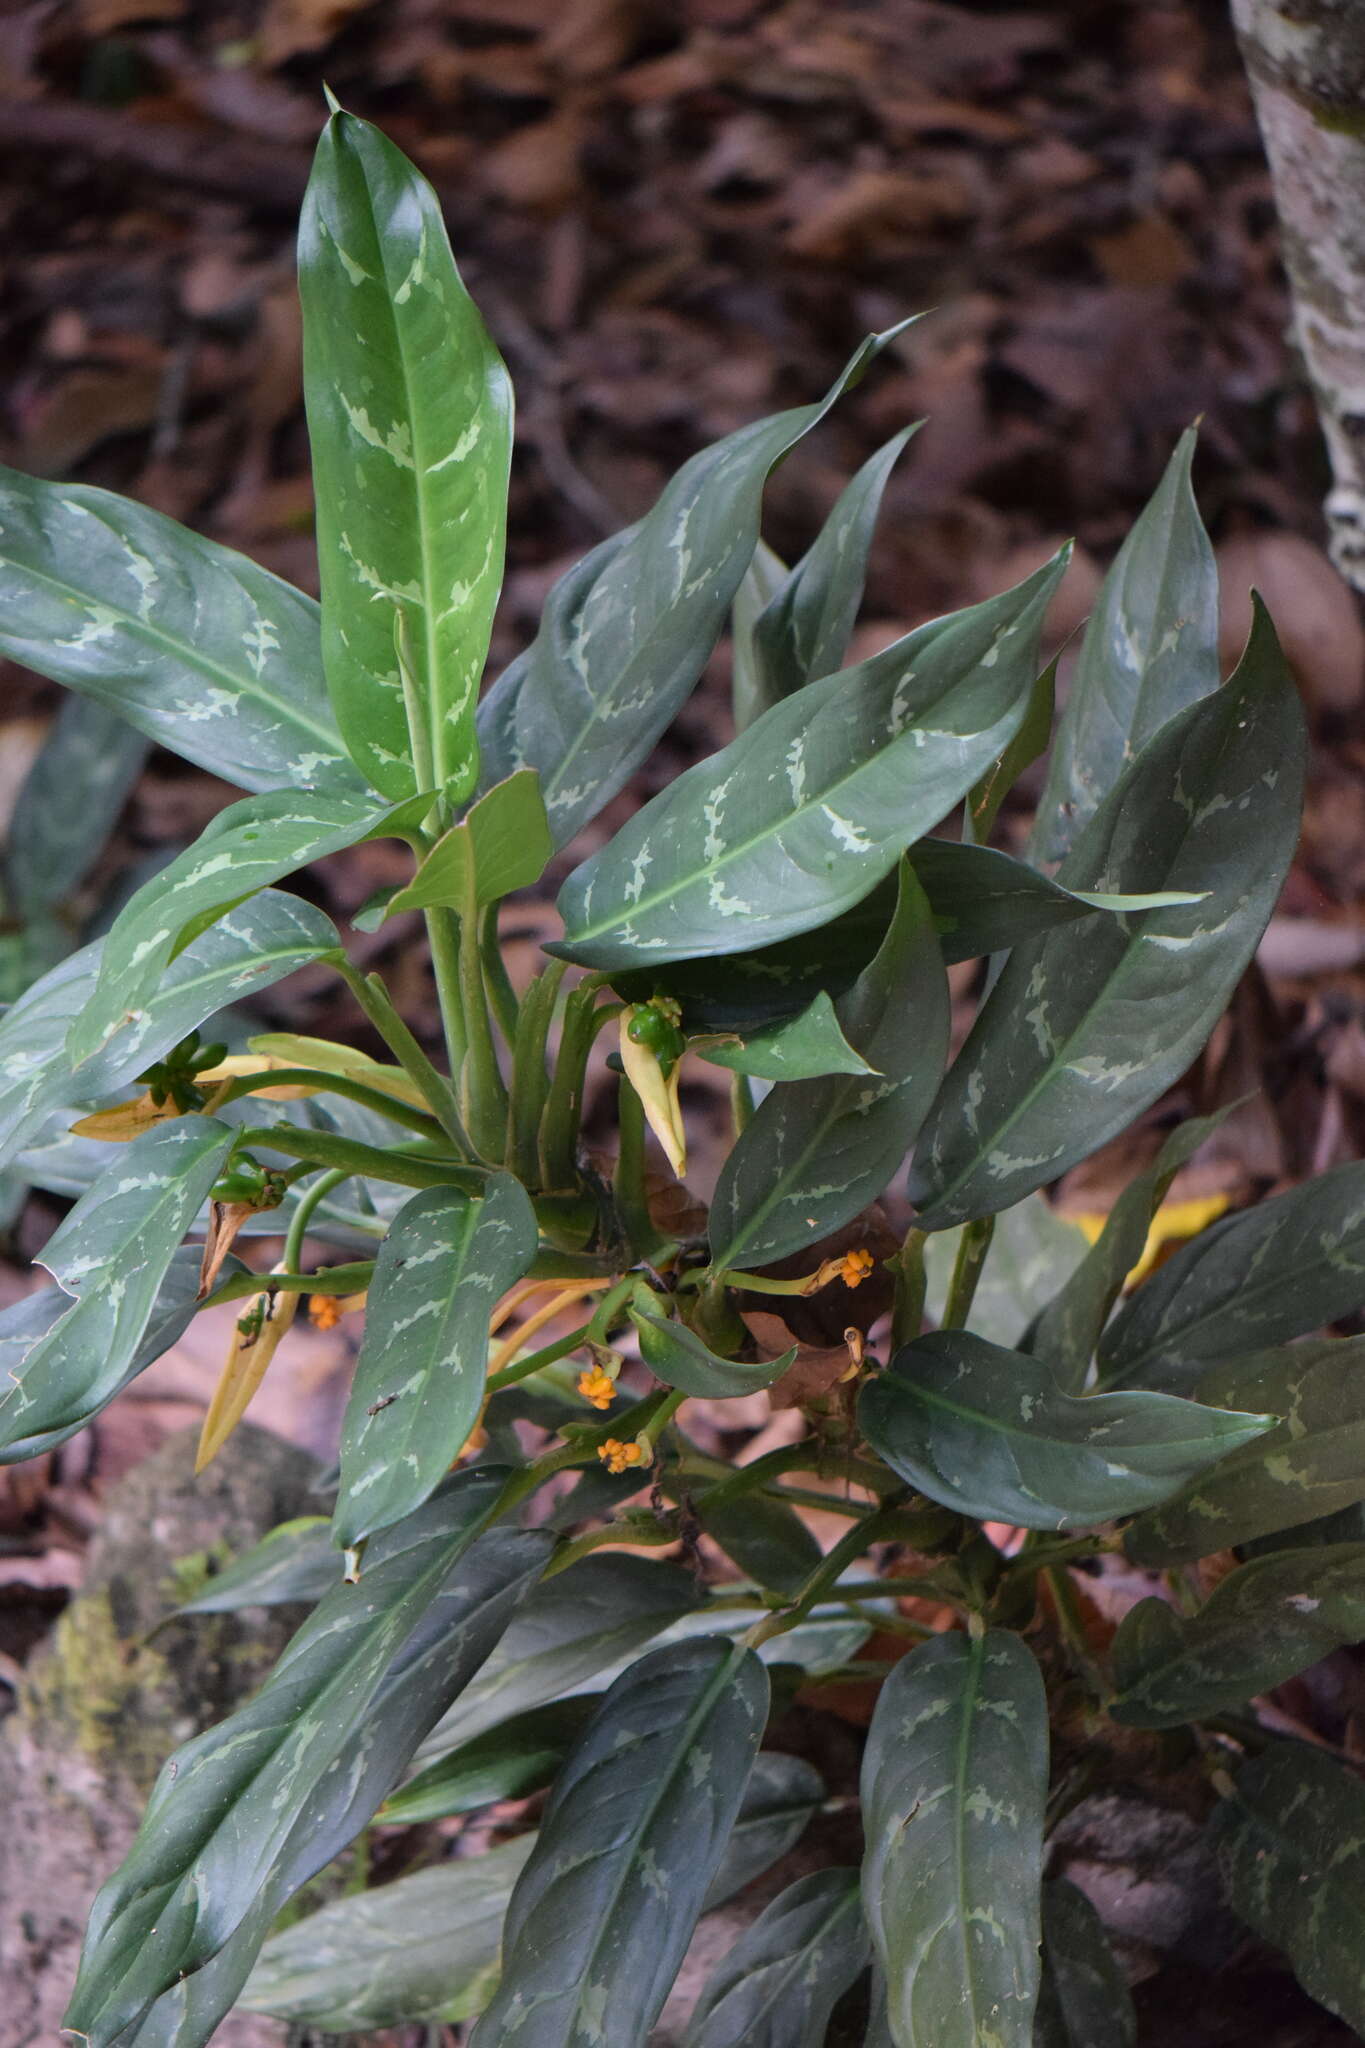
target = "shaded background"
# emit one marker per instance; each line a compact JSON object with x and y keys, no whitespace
{"x":675,"y":218}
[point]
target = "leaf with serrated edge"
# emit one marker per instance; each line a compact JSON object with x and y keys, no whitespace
{"x":990,"y":1433}
{"x":247,"y":847}
{"x":410,"y":419}
{"x":953,"y":1784}
{"x":628,"y":631}
{"x":1252,"y":1280}
{"x":678,"y":1357}
{"x":1261,"y":1625}
{"x":799,"y":817}
{"x":425,"y":1948}
{"x":110,"y":1255}
{"x":1084,"y":2001}
{"x":419,"y":1381}
{"x":817,"y":1152}
{"x":1290,"y":1845}
{"x":69,"y":802}
{"x":784,"y":1976}
{"x":801,"y":1048}
{"x":1088,"y":1026}
{"x":296,"y":1561}
{"x":631,"y":1837}
{"x":244,"y":1814}
{"x":201,"y":649}
{"x":1150,"y":650}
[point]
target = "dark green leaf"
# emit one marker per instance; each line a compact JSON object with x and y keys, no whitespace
{"x":801,"y":1048}
{"x":1312,"y":1464}
{"x":781,"y":1799}
{"x":1031,"y":740}
{"x":69,"y":803}
{"x":799,"y":817}
{"x":954,"y":1780}
{"x":502,"y":845}
{"x":1069,"y":1327}
{"x":1085,"y":1028}
{"x":990,"y":1433}
{"x":804,"y":631}
{"x":762,"y":580}
{"x":765,"y":1538}
{"x":410,"y":419}
{"x":244,"y":1814}
{"x":631,"y":1838}
{"x":425,"y":1948}
{"x":1263,"y":1624}
{"x":1084,"y":2001}
{"x":678,"y":1357}
{"x":817,"y":1152}
{"x":1276,"y":1271}
{"x":196,"y":646}
{"x":1032,"y":1251}
{"x":511,"y":1761}
{"x":1290,"y":1844}
{"x":784,"y":1976}
{"x":419,"y":1380}
{"x":110,"y":1256}
{"x":628,"y":631}
{"x":1150,"y":650}
{"x":296,"y":1561}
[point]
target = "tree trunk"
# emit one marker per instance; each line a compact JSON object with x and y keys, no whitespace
{"x":1306,"y":61}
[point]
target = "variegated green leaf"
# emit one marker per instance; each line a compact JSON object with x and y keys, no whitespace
{"x":196,"y":646}
{"x":603,"y":1610}
{"x":762,"y":580}
{"x":781,"y":1798}
{"x":798,"y":818}
{"x":1261,"y":1625}
{"x":804,"y":630}
{"x":1031,"y":740}
{"x":631,"y":1837}
{"x":510,"y":1761}
{"x":69,"y":802}
{"x":502,"y":844}
{"x":990,"y":1433}
{"x":410,"y":418}
{"x":801,"y":1048}
{"x":255,"y":946}
{"x":678,"y":1357}
{"x":1290,"y":1844}
{"x":817,"y":1152}
{"x":764,"y":1537}
{"x":628,"y":631}
{"x":296,"y":1561}
{"x":1069,"y":1327}
{"x":1252,"y":1280}
{"x":246,"y":1813}
{"x":1084,"y":2001}
{"x":784,"y":1976}
{"x":419,"y":1380}
{"x":1087,"y":1026}
{"x":953,"y":1784}
{"x":425,"y":1948}
{"x":1312,"y":1464}
{"x":247,"y":846}
{"x":111,"y":1256}
{"x":985,"y":901}
{"x":1033,"y":1251}
{"x":1150,"y":650}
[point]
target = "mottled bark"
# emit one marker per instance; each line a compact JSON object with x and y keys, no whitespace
{"x":1306,"y":61}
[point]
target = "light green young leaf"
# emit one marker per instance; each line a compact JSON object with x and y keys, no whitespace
{"x":762,"y":580}
{"x":1252,"y":1280}
{"x":511,"y":1761}
{"x":245,"y":848}
{"x":1069,"y":1327}
{"x":1150,"y":650}
{"x":257,"y":945}
{"x":296,"y":1561}
{"x":69,"y":802}
{"x":1086,"y":1027}
{"x":425,"y":1948}
{"x":817,"y":1152}
{"x":1311,"y":1465}
{"x":1290,"y":1844}
{"x":503,"y":844}
{"x":784,"y":1976}
{"x":410,"y":418}
{"x":802,"y":1048}
{"x":1261,"y":1625}
{"x":628,"y":631}
{"x":678,"y":1357}
{"x":246,"y":1813}
{"x":1033,"y":1250}
{"x":798,"y":818}
{"x":419,"y":1380}
{"x":196,"y":646}
{"x":111,"y":1255}
{"x":804,"y":631}
{"x":631,"y":1837}
{"x":990,"y":1433}
{"x":1084,"y":2001}
{"x":953,"y":1784}
{"x":781,"y":1798}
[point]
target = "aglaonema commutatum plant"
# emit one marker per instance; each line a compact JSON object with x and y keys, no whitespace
{"x":784,"y":910}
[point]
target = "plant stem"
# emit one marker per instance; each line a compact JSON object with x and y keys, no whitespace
{"x":501,"y":994}
{"x":349,"y":1279}
{"x":741,"y":1104}
{"x":443,"y":937}
{"x":373,"y":998}
{"x":973,"y":1246}
{"x":907,"y":1313}
{"x":564,"y":1104}
{"x":404,"y":1169}
{"x":551,"y":1354}
{"x":530,"y":1078}
{"x":383,"y":1104}
{"x":852,"y":1545}
{"x":631,"y":1198}
{"x":481,"y":1090}
{"x":303,"y":1213}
